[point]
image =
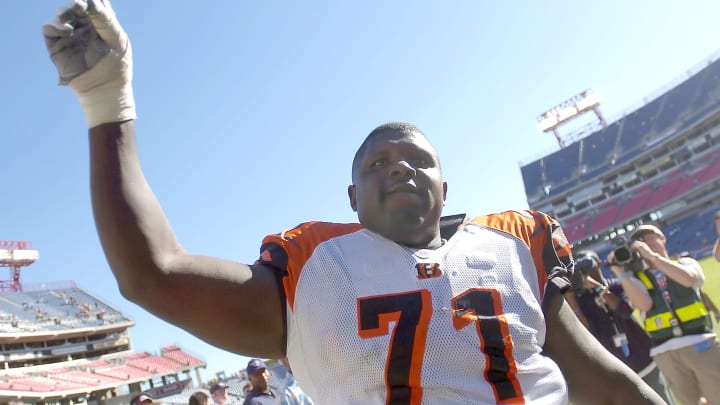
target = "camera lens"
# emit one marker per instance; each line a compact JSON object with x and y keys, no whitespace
{"x":585,"y":264}
{"x":622,"y":254}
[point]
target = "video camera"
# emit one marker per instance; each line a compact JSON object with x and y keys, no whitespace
{"x":631,"y":261}
{"x":584,"y":264}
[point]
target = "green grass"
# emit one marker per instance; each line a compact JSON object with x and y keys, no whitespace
{"x":711,"y":268}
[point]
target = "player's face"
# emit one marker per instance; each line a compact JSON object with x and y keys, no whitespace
{"x":398,"y":189}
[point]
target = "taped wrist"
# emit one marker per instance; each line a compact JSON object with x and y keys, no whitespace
{"x":105,"y":91}
{"x":105,"y":105}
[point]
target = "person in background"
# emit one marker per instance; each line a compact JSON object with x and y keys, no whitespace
{"x":142,"y":399}
{"x":292,"y":393}
{"x":603,"y":308}
{"x":218,"y":393}
{"x":261,"y":393}
{"x":199,"y":398}
{"x":667,"y":293}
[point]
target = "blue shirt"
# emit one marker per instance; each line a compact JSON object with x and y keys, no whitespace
{"x":260,"y":398}
{"x":295,"y":396}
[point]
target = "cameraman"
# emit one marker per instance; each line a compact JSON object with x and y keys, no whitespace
{"x":602,"y":307}
{"x":667,"y":293}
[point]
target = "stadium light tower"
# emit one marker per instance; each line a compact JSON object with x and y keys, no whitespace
{"x":15,"y":254}
{"x":575,"y":106}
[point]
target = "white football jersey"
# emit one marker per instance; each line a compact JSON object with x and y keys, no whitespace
{"x":370,"y":321}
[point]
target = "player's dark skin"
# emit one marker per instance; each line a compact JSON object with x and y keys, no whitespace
{"x":398,"y":192}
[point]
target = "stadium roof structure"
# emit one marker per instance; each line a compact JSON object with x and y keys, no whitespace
{"x":574,"y":107}
{"x":659,"y":162}
{"x":88,"y":377}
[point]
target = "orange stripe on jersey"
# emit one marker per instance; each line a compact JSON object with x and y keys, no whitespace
{"x":542,"y":235}
{"x":483,"y":307}
{"x":299,"y":244}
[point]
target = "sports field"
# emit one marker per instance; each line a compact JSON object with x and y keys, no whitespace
{"x":711,"y":267}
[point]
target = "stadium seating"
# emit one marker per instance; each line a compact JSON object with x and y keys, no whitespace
{"x":86,"y":378}
{"x":636,"y":126}
{"x":37,"y":383}
{"x":561,"y":168}
{"x":665,"y":189}
{"x":607,"y":215}
{"x":711,"y":171}
{"x":575,"y":228}
{"x":636,"y":203}
{"x":533,"y":175}
{"x":153,"y":364}
{"x":676,"y":102}
{"x":176,"y":354}
{"x":692,"y":233}
{"x":671,"y":144}
{"x":66,"y":307}
{"x":598,"y":148}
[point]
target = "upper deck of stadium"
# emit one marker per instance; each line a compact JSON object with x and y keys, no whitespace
{"x":60,"y":343}
{"x":661,"y":155}
{"x":682,"y":107}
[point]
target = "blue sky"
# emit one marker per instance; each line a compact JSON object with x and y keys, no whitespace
{"x":250,"y":112}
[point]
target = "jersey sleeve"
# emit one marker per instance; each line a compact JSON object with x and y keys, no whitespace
{"x":288,"y":251}
{"x":556,"y":254}
{"x":546,"y":241}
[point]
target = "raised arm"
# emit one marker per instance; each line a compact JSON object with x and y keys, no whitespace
{"x":231,"y":305}
{"x":634,"y":288}
{"x":685,"y":273}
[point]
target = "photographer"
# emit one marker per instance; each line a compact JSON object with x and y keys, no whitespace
{"x":667,"y":293}
{"x":602,"y":307}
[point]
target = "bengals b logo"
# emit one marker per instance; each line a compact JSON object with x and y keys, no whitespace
{"x":428,"y":270}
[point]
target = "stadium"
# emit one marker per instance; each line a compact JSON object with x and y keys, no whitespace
{"x":60,"y":344}
{"x":659,"y":164}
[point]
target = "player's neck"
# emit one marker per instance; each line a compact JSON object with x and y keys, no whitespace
{"x":436,"y":243}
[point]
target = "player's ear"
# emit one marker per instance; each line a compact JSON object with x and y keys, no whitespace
{"x":444,"y":192}
{"x":351,"y":195}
